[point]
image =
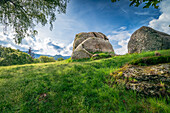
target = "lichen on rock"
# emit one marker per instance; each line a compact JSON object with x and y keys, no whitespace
{"x":149,"y":80}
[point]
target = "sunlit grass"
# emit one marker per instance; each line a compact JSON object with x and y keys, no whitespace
{"x":72,"y":87}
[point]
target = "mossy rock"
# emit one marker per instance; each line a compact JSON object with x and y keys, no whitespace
{"x":148,"y":80}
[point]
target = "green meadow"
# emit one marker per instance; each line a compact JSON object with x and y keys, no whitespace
{"x":77,"y":86}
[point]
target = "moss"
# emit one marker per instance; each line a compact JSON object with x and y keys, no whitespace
{"x":101,"y":55}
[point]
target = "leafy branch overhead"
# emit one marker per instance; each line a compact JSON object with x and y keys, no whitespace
{"x":23,"y":15}
{"x":148,"y":3}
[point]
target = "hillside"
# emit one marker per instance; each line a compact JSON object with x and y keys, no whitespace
{"x":74,"y":87}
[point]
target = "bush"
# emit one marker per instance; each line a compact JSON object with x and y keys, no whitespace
{"x":36,"y":60}
{"x":60,"y":59}
{"x":151,"y":60}
{"x":14,"y":58}
{"x":44,"y":59}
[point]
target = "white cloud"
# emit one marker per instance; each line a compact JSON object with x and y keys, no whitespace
{"x":123,"y":28}
{"x":144,"y":13}
{"x":41,"y":46}
{"x":123,"y":50}
{"x":62,"y":36}
{"x":65,"y":28}
{"x":163,"y":22}
{"x":121,"y":36}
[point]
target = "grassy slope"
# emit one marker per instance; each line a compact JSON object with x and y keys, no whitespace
{"x":72,"y":87}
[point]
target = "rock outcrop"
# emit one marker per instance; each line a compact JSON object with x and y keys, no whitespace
{"x":148,"y":80}
{"x":148,"y":39}
{"x":85,"y":44}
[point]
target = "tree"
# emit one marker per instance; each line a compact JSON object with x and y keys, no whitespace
{"x":31,"y":53}
{"x":23,"y":15}
{"x":148,"y":3}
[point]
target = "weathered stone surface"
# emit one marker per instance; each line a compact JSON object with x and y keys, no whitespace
{"x":83,"y":36}
{"x":148,"y":39}
{"x":94,"y":44}
{"x":80,"y":54}
{"x":149,"y":80}
{"x":90,"y":43}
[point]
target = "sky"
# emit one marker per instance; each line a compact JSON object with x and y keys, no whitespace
{"x":116,"y":20}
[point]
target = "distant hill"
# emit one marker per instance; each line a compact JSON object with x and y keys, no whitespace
{"x":38,"y":55}
{"x":59,"y":56}
{"x":55,"y":57}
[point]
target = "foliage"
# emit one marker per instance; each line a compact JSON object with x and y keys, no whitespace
{"x":10,"y":56}
{"x":148,"y":3}
{"x":44,"y":59}
{"x":73,"y":87}
{"x":36,"y":60}
{"x":23,"y":15}
{"x":60,"y":59}
{"x":151,"y":60}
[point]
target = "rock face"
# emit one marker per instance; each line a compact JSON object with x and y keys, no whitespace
{"x":148,"y":39}
{"x":85,"y":44}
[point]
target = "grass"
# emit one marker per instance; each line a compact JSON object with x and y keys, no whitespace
{"x":150,"y":60}
{"x":73,"y":87}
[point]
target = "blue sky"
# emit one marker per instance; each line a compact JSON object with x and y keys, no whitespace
{"x":116,"y":20}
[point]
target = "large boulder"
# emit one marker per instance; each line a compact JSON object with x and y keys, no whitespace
{"x":85,"y":44}
{"x":148,"y":39}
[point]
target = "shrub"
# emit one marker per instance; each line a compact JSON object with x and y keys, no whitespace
{"x":2,"y":63}
{"x":14,"y":58}
{"x":151,"y":60}
{"x":60,"y":59}
{"x":44,"y":59}
{"x":36,"y":60}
